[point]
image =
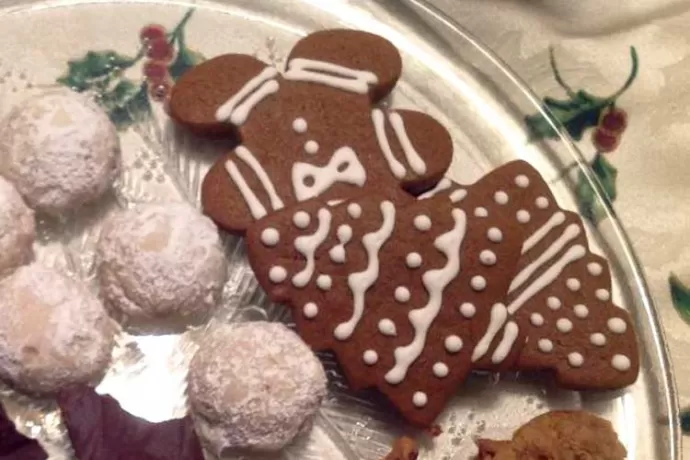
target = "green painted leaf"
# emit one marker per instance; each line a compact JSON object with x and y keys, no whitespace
{"x":680,"y":295}
{"x":126,"y":103}
{"x":590,"y":207}
{"x":576,"y":114}
{"x":186,"y":59}
{"x":95,"y":70}
{"x":685,"y":420}
{"x":607,"y":174}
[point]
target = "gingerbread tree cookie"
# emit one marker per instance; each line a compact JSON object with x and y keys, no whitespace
{"x":314,"y":130}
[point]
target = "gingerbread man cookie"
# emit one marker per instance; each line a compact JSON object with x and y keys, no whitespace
{"x":313,"y":130}
{"x":413,"y":295}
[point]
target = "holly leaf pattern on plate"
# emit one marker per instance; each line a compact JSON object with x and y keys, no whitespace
{"x":95,"y":70}
{"x":590,"y":206}
{"x":576,"y":114}
{"x":186,"y":58}
{"x":680,"y":295}
{"x":126,"y":103}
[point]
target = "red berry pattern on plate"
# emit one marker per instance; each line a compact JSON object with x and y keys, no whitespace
{"x":152,"y":32}
{"x":615,"y":120}
{"x":604,"y":141}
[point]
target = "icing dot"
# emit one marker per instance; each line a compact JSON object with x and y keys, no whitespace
{"x":468,"y":310}
{"x":354,"y":210}
{"x":573,"y":284}
{"x":617,"y":325}
{"x":324,"y":282}
{"x":542,"y":202}
{"x":370,"y":357}
{"x":594,"y":268}
{"x":478,"y":283}
{"x":270,"y":236}
{"x":387,"y":327}
{"x":402,"y":294}
{"x":545,"y":345}
{"x":481,"y":212}
{"x":440,"y":370}
{"x":277,"y":274}
{"x":536,"y":319}
{"x":620,"y":363}
{"x":419,"y":399}
{"x":422,"y":223}
{"x":495,"y":235}
{"x":311,"y":147}
{"x":337,"y":254}
{"x":581,"y":311}
{"x":501,"y":197}
{"x":487,"y":257}
{"x":310,"y":310}
{"x":301,"y":219}
{"x":523,"y":216}
{"x":603,"y":294}
{"x":564,"y":325}
{"x":413,"y":260}
{"x":453,"y":344}
{"x":598,"y":339}
{"x":522,"y":181}
{"x":575,"y":359}
{"x":299,"y":125}
{"x":344,"y":233}
{"x":553,"y":303}
{"x":458,"y":195}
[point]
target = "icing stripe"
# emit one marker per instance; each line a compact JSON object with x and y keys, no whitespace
{"x":413,"y":158}
{"x":435,"y":282}
{"x":241,"y":113}
{"x":570,"y":233}
{"x":224,"y":112}
{"x":510,"y":335}
{"x":360,"y":282}
{"x":245,"y":155}
{"x":308,"y":70}
{"x":458,"y":195}
{"x":255,"y":206}
{"x":574,"y":253}
{"x":395,"y":166}
{"x":442,"y":185}
{"x":555,"y":220}
{"x":498,"y":317}
{"x":307,"y":246}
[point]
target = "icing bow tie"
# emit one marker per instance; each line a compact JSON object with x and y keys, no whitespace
{"x":344,"y":166}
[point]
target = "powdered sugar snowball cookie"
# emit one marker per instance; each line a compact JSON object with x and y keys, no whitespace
{"x":253,"y":386}
{"x":162,"y":266}
{"x":54,"y":332}
{"x":60,"y":150}
{"x":17,"y":229}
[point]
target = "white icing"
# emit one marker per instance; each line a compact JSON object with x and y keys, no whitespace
{"x":620,"y":363}
{"x":594,"y":268}
{"x":245,"y":155}
{"x":478,"y":283}
{"x":332,"y":203}
{"x":277,"y":274}
{"x":510,"y":335}
{"x":481,"y":212}
{"x":542,"y":202}
{"x":252,"y":93}
{"x":468,"y":310}
{"x":573,"y":284}
{"x":574,"y":253}
{"x":326,"y":73}
{"x":617,"y":325}
{"x":553,"y":303}
{"x":487,"y":257}
{"x":311,"y":147}
{"x":422,"y":223}
{"x":453,"y":344}
{"x":501,"y":197}
{"x":554,"y":221}
{"x":402,"y":294}
{"x":370,"y":357}
{"x":435,"y":282}
{"x":522,"y":181}
{"x":419,"y":399}
{"x":255,"y":207}
{"x":522,"y":216}
{"x":308,"y":244}
{"x":301,"y":219}
{"x":344,"y":233}
{"x":443,"y":184}
{"x":360,"y":282}
{"x":270,"y":236}
{"x":536,"y":319}
{"x":344,"y":166}
{"x":337,"y":254}
{"x":354,"y":210}
{"x":564,"y":325}
{"x":458,"y":195}
{"x":299,"y":125}
{"x":324,"y":282}
{"x":387,"y":327}
{"x":581,"y":311}
{"x":545,"y":345}
{"x":441,"y":370}
{"x":603,"y":294}
{"x":494,"y":235}
{"x":498,"y":317}
{"x":575,"y":359}
{"x":310,"y":310}
{"x":413,"y":260}
{"x":395,"y":166}
{"x":413,"y":158}
{"x":570,"y":233}
{"x":598,"y":339}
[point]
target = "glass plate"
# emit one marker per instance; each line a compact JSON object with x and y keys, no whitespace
{"x":447,"y":74}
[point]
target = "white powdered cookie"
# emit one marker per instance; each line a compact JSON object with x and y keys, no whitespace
{"x":17,"y":229}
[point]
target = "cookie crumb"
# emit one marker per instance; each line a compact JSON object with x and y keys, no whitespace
{"x":404,"y":448}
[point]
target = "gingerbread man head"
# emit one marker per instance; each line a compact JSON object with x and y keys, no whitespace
{"x":312,"y":131}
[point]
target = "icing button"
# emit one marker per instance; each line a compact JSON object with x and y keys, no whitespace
{"x":419,"y":399}
{"x":310,"y":310}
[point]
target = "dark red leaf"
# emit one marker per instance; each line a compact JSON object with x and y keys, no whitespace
{"x":16,"y":446}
